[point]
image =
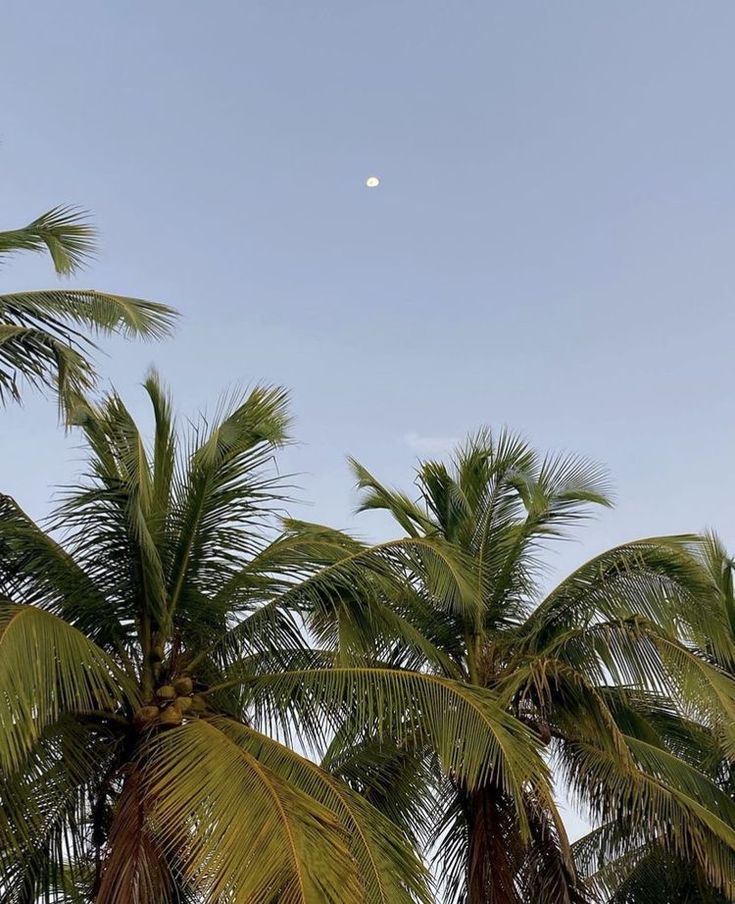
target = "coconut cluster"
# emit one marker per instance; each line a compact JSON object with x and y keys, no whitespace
{"x":173,"y":702}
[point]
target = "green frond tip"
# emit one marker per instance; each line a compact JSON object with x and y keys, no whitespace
{"x":64,"y":232}
{"x":60,"y":310}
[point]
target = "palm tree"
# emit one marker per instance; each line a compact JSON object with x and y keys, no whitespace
{"x":152,"y":664}
{"x":637,"y":867}
{"x":574,"y":664}
{"x":42,"y":333}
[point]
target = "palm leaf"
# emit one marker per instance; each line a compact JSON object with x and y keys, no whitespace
{"x":243,"y":833}
{"x":47,"y":667}
{"x":64,"y":232}
{"x":474,"y":738}
{"x":388,"y":867}
{"x":41,"y":338}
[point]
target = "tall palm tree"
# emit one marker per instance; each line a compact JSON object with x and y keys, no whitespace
{"x":152,"y":663}
{"x":44,"y":334}
{"x":639,"y":867}
{"x":570,"y":663}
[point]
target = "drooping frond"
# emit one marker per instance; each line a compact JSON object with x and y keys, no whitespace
{"x":40,"y":359}
{"x":654,"y":578}
{"x":475,"y":739}
{"x":389,"y":869}
{"x":64,"y":232}
{"x":43,"y":812}
{"x":661,"y":797}
{"x":399,"y":780}
{"x":243,"y":833}
{"x":711,"y":624}
{"x":47,"y":668}
{"x":36,"y":570}
{"x":640,"y":870}
{"x":44,"y":342}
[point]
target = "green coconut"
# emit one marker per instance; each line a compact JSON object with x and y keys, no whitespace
{"x":198,"y":704}
{"x":183,"y":704}
{"x":145,"y":716}
{"x":170,"y":717}
{"x":166,"y":692}
{"x":183,"y":686}
{"x":156,"y":654}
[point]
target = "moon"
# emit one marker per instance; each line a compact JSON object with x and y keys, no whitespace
{"x":372,"y":182}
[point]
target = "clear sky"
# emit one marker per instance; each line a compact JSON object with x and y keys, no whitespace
{"x":552,"y":246}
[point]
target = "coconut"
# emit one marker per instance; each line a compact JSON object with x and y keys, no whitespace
{"x":183,"y":686}
{"x":157,"y":653}
{"x":166,"y":692}
{"x":170,"y":717}
{"x":198,"y":705}
{"x":183,"y":704}
{"x":145,"y":715}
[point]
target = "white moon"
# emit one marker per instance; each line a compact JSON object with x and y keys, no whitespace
{"x":372,"y":182}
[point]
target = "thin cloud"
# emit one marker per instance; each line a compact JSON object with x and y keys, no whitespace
{"x":430,"y":445}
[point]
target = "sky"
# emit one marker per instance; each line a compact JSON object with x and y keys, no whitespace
{"x":551,"y":247}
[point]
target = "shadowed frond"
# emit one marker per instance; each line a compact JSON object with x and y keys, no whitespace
{"x":36,"y":569}
{"x":42,"y":817}
{"x":136,"y":870}
{"x":662,"y":797}
{"x":48,"y":667}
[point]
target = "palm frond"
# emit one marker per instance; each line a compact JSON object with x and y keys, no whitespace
{"x":222,"y":494}
{"x":474,"y":738}
{"x":241,"y":831}
{"x":36,"y":569}
{"x":655,"y":578}
{"x":61,"y":311}
{"x":40,"y":360}
{"x":669,"y":803}
{"x":388,"y":866}
{"x":376,"y":496}
{"x":47,"y":667}
{"x":136,"y":870}
{"x":44,"y":809}
{"x":64,"y":232}
{"x":42,"y":340}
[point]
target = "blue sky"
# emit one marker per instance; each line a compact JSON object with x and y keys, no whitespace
{"x":551,"y":247}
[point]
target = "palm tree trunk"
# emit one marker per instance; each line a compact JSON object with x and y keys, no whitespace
{"x":492,"y":841}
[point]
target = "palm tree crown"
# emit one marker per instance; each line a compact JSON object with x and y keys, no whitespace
{"x":591,"y":667}
{"x":640,"y":867}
